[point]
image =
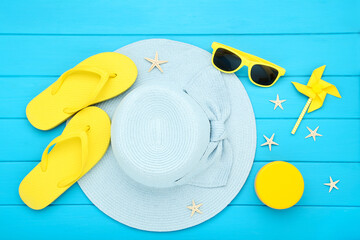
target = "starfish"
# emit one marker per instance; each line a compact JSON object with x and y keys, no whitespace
{"x":332,"y":184}
{"x":155,"y":62}
{"x":313,"y":133}
{"x":269,"y":141}
{"x":277,"y":102}
{"x":194,"y":208}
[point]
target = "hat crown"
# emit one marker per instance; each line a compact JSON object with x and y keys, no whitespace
{"x":159,"y":134}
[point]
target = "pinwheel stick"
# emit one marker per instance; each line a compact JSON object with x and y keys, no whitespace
{"x":301,"y":116}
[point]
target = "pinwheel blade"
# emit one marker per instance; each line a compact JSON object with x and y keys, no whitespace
{"x":316,"y":75}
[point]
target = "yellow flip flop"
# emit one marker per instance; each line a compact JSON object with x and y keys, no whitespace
{"x":96,"y":79}
{"x":82,"y":144}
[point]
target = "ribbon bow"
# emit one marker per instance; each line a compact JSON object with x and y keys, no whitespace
{"x":316,"y":89}
{"x":208,"y":89}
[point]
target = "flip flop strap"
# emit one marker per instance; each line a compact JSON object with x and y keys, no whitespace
{"x":82,"y":135}
{"x":104,"y":77}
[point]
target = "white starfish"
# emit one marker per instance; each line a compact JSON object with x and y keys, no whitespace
{"x":277,"y":102}
{"x":313,"y":133}
{"x":155,"y":62}
{"x":194,"y":208}
{"x":269,"y":141}
{"x":332,"y":184}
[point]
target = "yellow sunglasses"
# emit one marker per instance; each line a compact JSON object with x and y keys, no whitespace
{"x":261,"y":72}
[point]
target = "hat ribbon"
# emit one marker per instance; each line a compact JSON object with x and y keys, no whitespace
{"x":209,"y":90}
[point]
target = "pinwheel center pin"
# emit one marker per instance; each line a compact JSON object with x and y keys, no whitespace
{"x":316,"y":89}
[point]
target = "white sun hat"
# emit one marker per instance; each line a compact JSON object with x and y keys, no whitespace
{"x":182,"y":137}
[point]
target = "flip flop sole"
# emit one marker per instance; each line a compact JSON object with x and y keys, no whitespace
{"x":46,"y":110}
{"x":40,"y":188}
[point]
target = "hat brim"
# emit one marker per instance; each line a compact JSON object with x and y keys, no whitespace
{"x":145,"y":208}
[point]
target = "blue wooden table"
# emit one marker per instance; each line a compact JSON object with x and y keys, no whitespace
{"x":41,"y":39}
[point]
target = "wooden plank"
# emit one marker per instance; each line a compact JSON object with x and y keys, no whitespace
{"x":340,"y":142}
{"x":235,"y":222}
{"x":21,"y":141}
{"x":315,"y":192}
{"x":16,"y":92}
{"x":298,"y":54}
{"x":346,"y":107}
{"x":174,"y":17}
{"x":314,"y":174}
{"x":11,"y":175}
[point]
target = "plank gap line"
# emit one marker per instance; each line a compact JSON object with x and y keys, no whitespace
{"x":175,"y":34}
{"x":287,"y":76}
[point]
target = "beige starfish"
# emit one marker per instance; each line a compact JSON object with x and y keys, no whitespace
{"x":277,"y":102}
{"x":332,"y":184}
{"x":194,"y":208}
{"x":313,"y":133}
{"x":269,"y":141}
{"x":155,"y":62}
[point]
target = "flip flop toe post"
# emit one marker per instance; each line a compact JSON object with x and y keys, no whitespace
{"x":67,"y":158}
{"x":96,"y":79}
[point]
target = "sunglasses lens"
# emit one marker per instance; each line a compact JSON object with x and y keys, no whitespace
{"x":226,"y":60}
{"x":263,"y":75}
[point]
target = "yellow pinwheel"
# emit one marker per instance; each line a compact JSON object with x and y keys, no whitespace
{"x":316,"y":90}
